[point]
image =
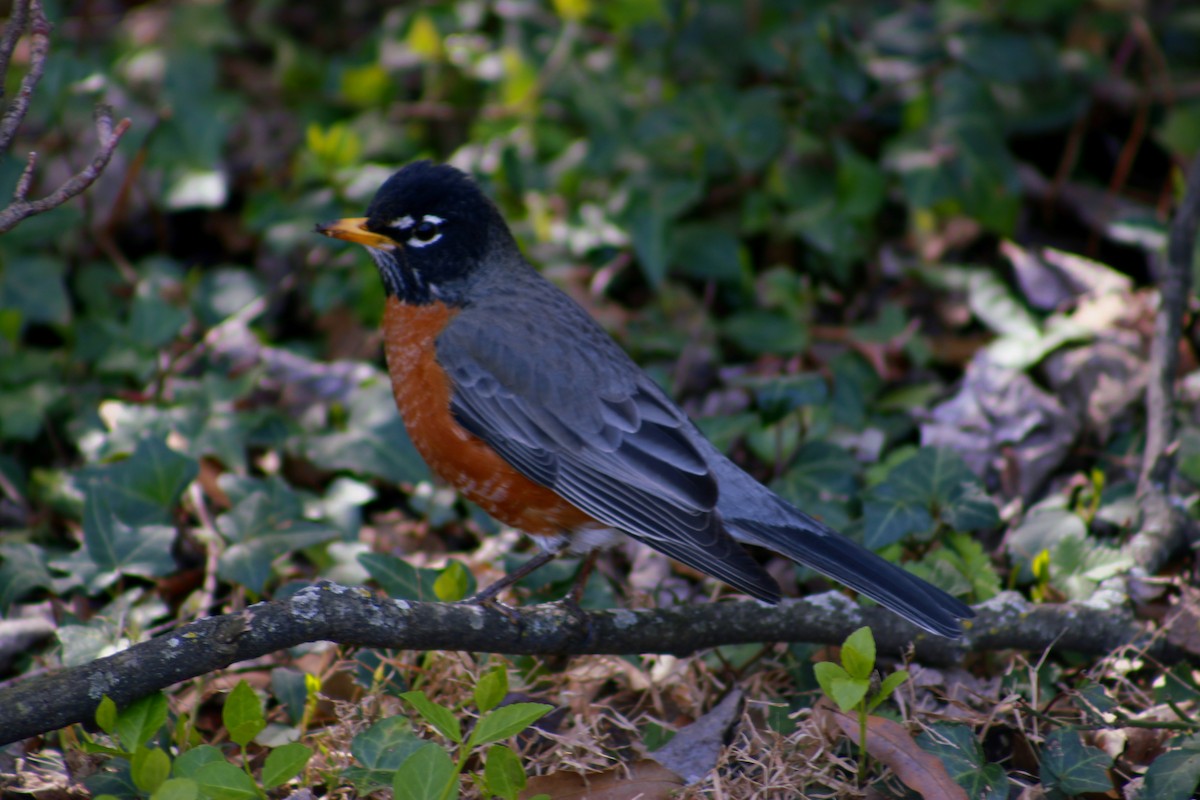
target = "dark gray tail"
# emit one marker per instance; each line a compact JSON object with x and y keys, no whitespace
{"x":754,"y":514}
{"x":818,"y":546}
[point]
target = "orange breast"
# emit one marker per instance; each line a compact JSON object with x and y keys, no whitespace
{"x":422,"y":393}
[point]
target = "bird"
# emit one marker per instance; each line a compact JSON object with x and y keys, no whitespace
{"x":516,"y":396}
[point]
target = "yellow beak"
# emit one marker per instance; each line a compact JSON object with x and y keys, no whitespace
{"x":354,"y":229}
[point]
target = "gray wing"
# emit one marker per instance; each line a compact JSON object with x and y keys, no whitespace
{"x":579,"y":417}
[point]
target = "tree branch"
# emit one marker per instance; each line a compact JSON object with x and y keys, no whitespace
{"x":1163,"y":526}
{"x":39,"y":47}
{"x":329,"y":612}
{"x":20,"y":208}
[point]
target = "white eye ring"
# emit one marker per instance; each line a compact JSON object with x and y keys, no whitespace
{"x":426,"y":232}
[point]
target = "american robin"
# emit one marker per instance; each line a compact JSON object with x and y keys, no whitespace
{"x":516,"y":396}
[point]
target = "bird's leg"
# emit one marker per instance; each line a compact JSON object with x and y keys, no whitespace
{"x":575,"y":596}
{"x":488,"y":595}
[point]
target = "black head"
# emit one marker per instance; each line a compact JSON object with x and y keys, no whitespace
{"x":429,"y":229}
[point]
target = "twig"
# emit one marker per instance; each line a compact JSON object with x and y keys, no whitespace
{"x":109,"y":136}
{"x":329,"y":612}
{"x":14,"y":29}
{"x":27,"y":15}
{"x":1163,"y":523}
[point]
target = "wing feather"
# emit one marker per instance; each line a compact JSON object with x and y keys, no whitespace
{"x":596,"y":430}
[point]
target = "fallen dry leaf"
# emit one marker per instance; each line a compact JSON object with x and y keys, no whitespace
{"x":1182,"y":624}
{"x":693,"y":751}
{"x":891,"y":744}
{"x":644,"y":780}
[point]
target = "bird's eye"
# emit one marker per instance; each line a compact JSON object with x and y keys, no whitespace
{"x":425,"y":231}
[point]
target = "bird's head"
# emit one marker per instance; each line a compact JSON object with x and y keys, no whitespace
{"x":429,"y":229}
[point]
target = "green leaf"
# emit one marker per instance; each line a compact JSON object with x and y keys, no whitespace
{"x":1179,"y":131}
{"x":153,"y":322}
{"x":849,"y":693}
{"x":649,"y":217}
{"x":707,"y":253}
{"x":106,"y":714}
{"x":935,"y":482}
{"x":889,"y":519}
{"x":1073,"y":767}
{"x":1175,"y":775}
{"x":260,"y":507}
{"x":34,"y":286}
{"x":189,"y":763}
{"x":861,"y":184}
{"x":756,"y":129}
{"x":428,"y":774}
{"x":400,"y":579}
{"x":626,"y":14}
{"x":380,"y":750}
{"x":1079,"y":564}
{"x":223,"y":292}
{"x":503,"y":772}
{"x":776,"y":397}
{"x":958,"y":749}
{"x":889,"y":685}
{"x":507,"y":721}
{"x":491,"y":689}
{"x":149,"y":768}
{"x":25,"y":409}
{"x":114,"y":547}
{"x":760,"y":331}
{"x":221,"y":780}
{"x":1007,"y":56}
{"x":385,"y":744}
{"x":243,"y":714}
{"x":177,"y":789}
{"x":839,"y":687}
{"x":1045,"y":527}
{"x":827,"y":672}
{"x":138,"y":723}
{"x":23,"y":570}
{"x":145,"y":487}
{"x":284,"y":763}
{"x":440,"y":717}
{"x":374,"y":442}
{"x":974,"y":563}
{"x":453,"y":584}
{"x":249,"y":563}
{"x":858,"y":654}
{"x":291,"y":688}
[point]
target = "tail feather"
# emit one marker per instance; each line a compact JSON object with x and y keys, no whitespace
{"x":754,"y":514}
{"x":832,"y":554}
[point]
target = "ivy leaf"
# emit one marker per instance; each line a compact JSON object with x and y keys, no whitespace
{"x":400,"y":579}
{"x":428,"y":774}
{"x":1175,"y":774}
{"x":958,"y":749}
{"x":380,"y":750}
{"x":1073,"y":767}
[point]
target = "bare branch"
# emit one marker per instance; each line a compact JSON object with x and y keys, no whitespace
{"x":23,"y":182}
{"x":13,"y":31}
{"x":39,"y":47}
{"x":109,"y":136}
{"x":329,"y":612}
{"x":1163,"y":523}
